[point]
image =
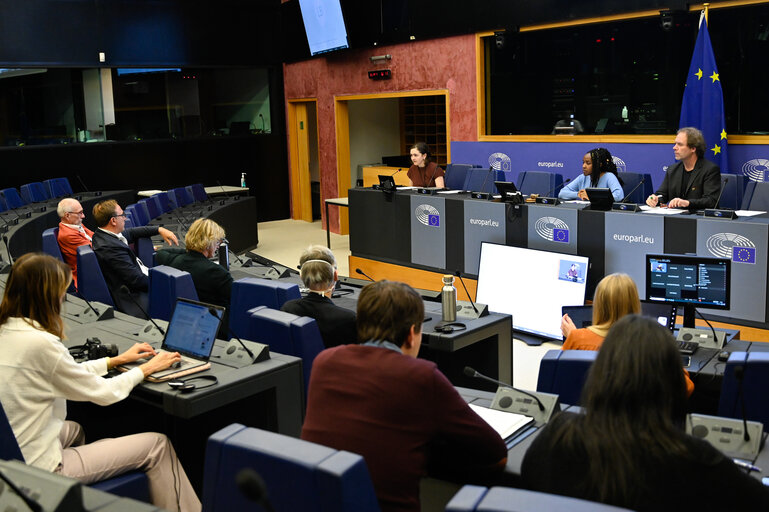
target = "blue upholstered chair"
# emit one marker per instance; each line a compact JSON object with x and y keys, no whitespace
{"x":166,"y":202}
{"x":286,"y":333}
{"x":630,"y":181}
{"x":12,"y":198}
{"x":473,"y":498}
{"x":482,"y":180}
{"x":182,"y":197}
{"x":34,"y":192}
{"x":563,"y":372}
{"x":732,"y":191}
{"x":144,"y":212}
{"x":251,"y":292}
{"x":51,"y":243}
{"x":58,"y":187}
{"x":153,"y":207}
{"x":129,"y":485}
{"x":90,"y":280}
{"x":756,"y":196}
{"x":539,"y":182}
{"x":198,"y":192}
{"x":456,"y":175}
{"x":298,"y":475}
{"x":139,"y":215}
{"x":166,"y":285}
{"x":746,"y":379}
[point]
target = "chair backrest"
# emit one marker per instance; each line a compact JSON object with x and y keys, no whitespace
{"x":139,"y":214}
{"x":482,"y":180}
{"x":473,"y":498}
{"x":732,"y":191}
{"x":456,"y":174}
{"x":630,"y":181}
{"x":34,"y":192}
{"x":9,"y":447}
{"x":539,"y":182}
{"x":51,"y":243}
{"x":165,"y":201}
{"x":166,"y":285}
{"x":563,"y":372}
{"x":58,"y":187}
{"x":63,"y":184}
{"x":12,"y":198}
{"x":3,"y":205}
{"x":182,"y":197}
{"x":286,"y":333}
{"x":251,"y":292}
{"x":299,"y":475}
{"x":743,"y":373}
{"x":759,"y":196}
{"x":145,"y":251}
{"x":198,"y":192}
{"x":153,"y":207}
{"x":90,"y":280}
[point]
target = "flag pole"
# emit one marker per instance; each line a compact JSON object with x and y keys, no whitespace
{"x":705,"y":7}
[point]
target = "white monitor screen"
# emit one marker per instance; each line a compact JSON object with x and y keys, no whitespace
{"x":531,"y":285}
{"x":324,"y":25}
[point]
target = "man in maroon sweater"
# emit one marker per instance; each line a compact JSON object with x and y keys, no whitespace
{"x":399,"y":412}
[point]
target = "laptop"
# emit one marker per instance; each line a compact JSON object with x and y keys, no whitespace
{"x":191,"y":332}
{"x":663,"y":312}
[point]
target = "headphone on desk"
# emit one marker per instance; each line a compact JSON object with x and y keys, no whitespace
{"x":450,"y":327}
{"x":187,"y":385}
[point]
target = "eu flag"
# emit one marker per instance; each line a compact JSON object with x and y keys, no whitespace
{"x":744,"y":254}
{"x":561,"y":235}
{"x":703,"y":103}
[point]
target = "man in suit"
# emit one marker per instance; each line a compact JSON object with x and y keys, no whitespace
{"x":319,"y":275}
{"x":72,"y":233}
{"x":118,"y":262}
{"x":692,"y":182}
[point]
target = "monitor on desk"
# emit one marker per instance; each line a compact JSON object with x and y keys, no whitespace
{"x":531,"y":285}
{"x":689,"y":282}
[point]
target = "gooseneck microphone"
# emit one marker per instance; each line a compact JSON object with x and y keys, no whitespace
{"x":624,"y":200}
{"x":459,"y":275}
{"x":723,"y":186}
{"x":88,"y":302}
{"x":252,"y":486}
{"x":557,"y":188}
{"x":8,"y":249}
{"x":229,"y":329}
{"x":739,"y":374}
{"x":124,"y":288}
{"x":470,"y":372}
{"x":359,"y":271}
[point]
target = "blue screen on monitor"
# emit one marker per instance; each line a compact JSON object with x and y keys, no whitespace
{"x":324,"y":25}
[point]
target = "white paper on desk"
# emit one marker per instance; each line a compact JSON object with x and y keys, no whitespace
{"x":657,"y":210}
{"x":575,"y":201}
{"x":452,"y":192}
{"x":505,"y":423}
{"x":407,"y":188}
{"x":747,"y":213}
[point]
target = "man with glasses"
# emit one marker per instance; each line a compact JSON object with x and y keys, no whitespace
{"x":118,"y":262}
{"x":72,"y":233}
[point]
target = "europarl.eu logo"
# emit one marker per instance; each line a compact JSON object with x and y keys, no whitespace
{"x":738,"y":248}
{"x":428,"y":215}
{"x":552,"y":229}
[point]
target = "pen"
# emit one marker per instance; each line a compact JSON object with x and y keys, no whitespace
{"x":746,"y":465}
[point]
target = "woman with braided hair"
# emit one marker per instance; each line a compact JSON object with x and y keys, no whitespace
{"x":598,"y":171}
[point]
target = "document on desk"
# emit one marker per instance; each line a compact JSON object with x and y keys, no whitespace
{"x":505,"y":423}
{"x":662,"y":211}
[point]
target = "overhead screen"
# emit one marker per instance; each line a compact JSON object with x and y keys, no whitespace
{"x":324,"y":25}
{"x":531,"y":285}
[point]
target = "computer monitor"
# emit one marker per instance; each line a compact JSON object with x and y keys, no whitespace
{"x":688,"y":281}
{"x":324,"y":25}
{"x":531,"y":285}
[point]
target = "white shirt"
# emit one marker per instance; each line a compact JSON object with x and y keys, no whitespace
{"x":38,"y":376}
{"x":145,"y":270}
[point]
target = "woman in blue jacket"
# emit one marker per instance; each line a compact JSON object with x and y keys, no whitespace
{"x":598,"y":171}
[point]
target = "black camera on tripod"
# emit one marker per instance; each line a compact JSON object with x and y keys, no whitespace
{"x":93,"y":349}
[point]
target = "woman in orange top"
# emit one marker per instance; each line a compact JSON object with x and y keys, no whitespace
{"x":615,"y":296}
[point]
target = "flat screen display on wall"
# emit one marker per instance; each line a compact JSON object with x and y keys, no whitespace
{"x":324,"y":25}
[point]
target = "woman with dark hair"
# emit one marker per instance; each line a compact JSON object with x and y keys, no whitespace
{"x":598,"y":171}
{"x":39,"y":375}
{"x":424,"y":173}
{"x":629,"y":447}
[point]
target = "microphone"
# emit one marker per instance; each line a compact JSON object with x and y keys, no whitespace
{"x":470,"y":372}
{"x":459,"y":275}
{"x":396,"y":172}
{"x":739,"y":374}
{"x":481,"y":194}
{"x":123,"y":288}
{"x":229,"y":329}
{"x":106,"y":315}
{"x":723,"y":213}
{"x":359,"y":271}
{"x":624,"y":205}
{"x":223,"y":191}
{"x":551,"y":197}
{"x":8,"y":249}
{"x":723,"y":185}
{"x":252,"y":486}
{"x":715,"y":337}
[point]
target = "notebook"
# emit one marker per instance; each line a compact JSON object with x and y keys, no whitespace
{"x":191,"y":332}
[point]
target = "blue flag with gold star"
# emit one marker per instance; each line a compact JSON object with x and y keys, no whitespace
{"x":703,"y":103}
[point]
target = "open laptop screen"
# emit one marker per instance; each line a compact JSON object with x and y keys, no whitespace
{"x":192,"y":329}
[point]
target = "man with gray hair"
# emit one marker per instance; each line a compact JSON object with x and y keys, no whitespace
{"x":72,"y":233}
{"x":318,"y":273}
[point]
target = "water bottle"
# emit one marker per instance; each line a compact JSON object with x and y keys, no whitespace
{"x":243,"y":180}
{"x":449,"y":299}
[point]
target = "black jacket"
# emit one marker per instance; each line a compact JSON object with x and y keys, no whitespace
{"x":336,"y":324}
{"x":704,"y":187}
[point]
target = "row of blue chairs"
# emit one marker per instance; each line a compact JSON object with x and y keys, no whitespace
{"x":35,"y":192}
{"x":143,"y":211}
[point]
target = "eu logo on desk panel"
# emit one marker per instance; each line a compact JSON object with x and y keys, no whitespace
{"x":428,"y":215}
{"x":738,"y":248}
{"x":552,"y":229}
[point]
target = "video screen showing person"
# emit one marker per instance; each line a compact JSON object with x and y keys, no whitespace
{"x":571,"y":271}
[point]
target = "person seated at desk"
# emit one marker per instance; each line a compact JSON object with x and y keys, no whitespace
{"x":629,"y":448}
{"x":118,"y":262}
{"x":39,"y":375}
{"x":72,"y":233}
{"x":212,"y":281}
{"x":692,"y":182}
{"x":615,"y":297}
{"x":424,"y":173}
{"x":319,"y":274}
{"x":598,"y":171}
{"x":399,"y":412}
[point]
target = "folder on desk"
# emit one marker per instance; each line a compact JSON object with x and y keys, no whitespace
{"x":505,"y":423}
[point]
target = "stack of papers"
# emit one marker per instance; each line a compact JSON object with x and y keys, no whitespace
{"x":505,"y":423}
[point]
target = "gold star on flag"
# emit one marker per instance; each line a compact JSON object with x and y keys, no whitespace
{"x":723,"y":134}
{"x":716,"y":149}
{"x":699,"y":74}
{"x":714,"y":76}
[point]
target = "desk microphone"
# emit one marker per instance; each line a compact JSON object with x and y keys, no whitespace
{"x":624,"y":205}
{"x":739,"y":374}
{"x":229,"y":329}
{"x":252,"y":486}
{"x":551,"y":197}
{"x":470,"y":372}
{"x":396,"y":172}
{"x":124,"y":288}
{"x":720,"y":212}
{"x":459,"y":275}
{"x":224,"y":191}
{"x":359,"y":271}
{"x":481,"y":194}
{"x":107,"y":314}
{"x":8,"y":249}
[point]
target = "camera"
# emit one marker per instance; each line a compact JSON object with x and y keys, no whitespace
{"x":93,"y":349}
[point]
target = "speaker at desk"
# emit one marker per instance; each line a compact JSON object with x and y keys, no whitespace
{"x":234,"y":354}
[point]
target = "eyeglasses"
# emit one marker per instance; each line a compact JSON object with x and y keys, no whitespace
{"x":76,"y":213}
{"x":119,"y":215}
